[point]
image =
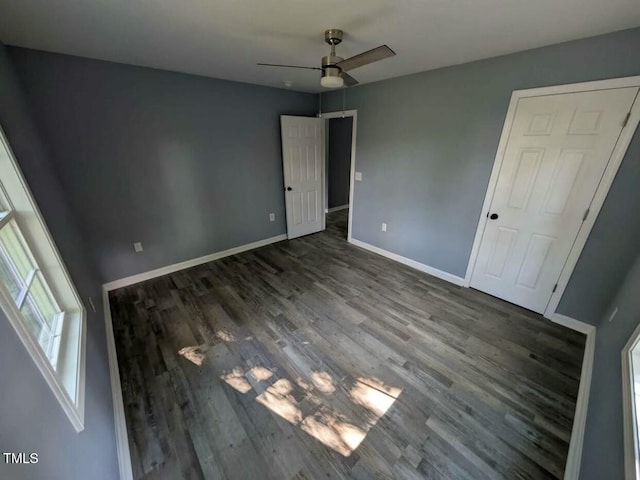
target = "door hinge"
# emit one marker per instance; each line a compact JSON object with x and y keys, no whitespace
{"x":555,"y":287}
{"x":586,"y":214}
{"x":626,"y":120}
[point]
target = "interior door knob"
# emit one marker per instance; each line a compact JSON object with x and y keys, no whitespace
{"x":289,"y":189}
{"x":493,"y":216}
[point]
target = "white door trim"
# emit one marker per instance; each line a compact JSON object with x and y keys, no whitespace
{"x":631,"y":467}
{"x":354,"y":129}
{"x":601,"y":192}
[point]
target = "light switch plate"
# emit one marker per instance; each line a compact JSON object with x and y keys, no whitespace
{"x":137,"y":246}
{"x":358,"y":176}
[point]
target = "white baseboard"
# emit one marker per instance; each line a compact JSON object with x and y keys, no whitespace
{"x":574,"y":457}
{"x":572,"y":323}
{"x":335,"y":209}
{"x":122,"y":439}
{"x":158,"y":272}
{"x":411,"y":263}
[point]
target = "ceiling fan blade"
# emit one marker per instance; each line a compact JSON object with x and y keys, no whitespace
{"x":365,"y":58}
{"x":349,"y":81}
{"x":287,"y":66}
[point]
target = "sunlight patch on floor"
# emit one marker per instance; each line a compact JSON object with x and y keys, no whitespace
{"x":225,"y":336}
{"x":373,"y":398}
{"x":323,"y":382}
{"x":343,"y":437}
{"x":195,"y":355}
{"x":278,"y":399}
{"x":321,"y":420}
{"x":236,"y":379}
{"x":325,"y":423}
{"x":261,"y":373}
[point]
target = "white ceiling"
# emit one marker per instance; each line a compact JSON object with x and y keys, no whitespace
{"x":226,"y":38}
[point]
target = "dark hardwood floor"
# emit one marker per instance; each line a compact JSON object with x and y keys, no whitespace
{"x":313,"y":358}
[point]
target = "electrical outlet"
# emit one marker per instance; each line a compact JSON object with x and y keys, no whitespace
{"x":137,"y":246}
{"x":358,"y":176}
{"x":384,"y":227}
{"x":272,"y":217}
{"x":613,"y":314}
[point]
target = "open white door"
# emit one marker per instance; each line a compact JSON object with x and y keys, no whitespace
{"x":303,"y":166}
{"x":556,"y":154}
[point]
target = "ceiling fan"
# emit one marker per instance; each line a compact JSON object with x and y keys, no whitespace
{"x":334,"y":69}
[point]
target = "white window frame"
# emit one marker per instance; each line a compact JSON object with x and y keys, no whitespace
{"x":629,"y":411}
{"x":66,"y":375}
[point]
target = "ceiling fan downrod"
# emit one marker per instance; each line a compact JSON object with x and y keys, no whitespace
{"x":333,"y":37}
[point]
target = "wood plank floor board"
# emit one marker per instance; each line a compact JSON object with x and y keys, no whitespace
{"x":450,"y":460}
{"x":312,"y":358}
{"x":463,"y":370}
{"x":476,"y":366}
{"x":482,"y":417}
{"x":404,"y":469}
{"x":494,"y":443}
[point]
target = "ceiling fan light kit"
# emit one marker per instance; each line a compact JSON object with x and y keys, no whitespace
{"x":334,"y":68}
{"x":331,"y":78}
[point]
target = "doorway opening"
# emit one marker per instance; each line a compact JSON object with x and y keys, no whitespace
{"x":307,"y":178}
{"x":339,"y":166}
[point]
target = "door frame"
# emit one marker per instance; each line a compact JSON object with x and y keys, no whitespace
{"x":617,"y":155}
{"x":352,"y":175}
{"x":631,"y":467}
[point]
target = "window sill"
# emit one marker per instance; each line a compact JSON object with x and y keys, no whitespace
{"x":73,"y":376}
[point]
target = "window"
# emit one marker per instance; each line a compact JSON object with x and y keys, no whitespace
{"x":36,"y":292}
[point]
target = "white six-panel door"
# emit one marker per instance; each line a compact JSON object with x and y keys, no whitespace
{"x":556,"y":154}
{"x":302,"y":156}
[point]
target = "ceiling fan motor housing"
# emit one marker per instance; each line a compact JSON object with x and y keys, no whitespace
{"x":331,"y":74}
{"x":330,"y":61}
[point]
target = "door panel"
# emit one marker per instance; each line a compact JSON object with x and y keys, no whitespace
{"x":564,"y":181}
{"x":524,"y":179}
{"x":534,"y":260}
{"x":302,"y":156}
{"x":502,"y":246}
{"x":556,"y":154}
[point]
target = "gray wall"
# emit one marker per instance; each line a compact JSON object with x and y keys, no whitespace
{"x":339,"y":160}
{"x":187,"y":165}
{"x":603,"y":449}
{"x":31,"y":420}
{"x":426,"y":145}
